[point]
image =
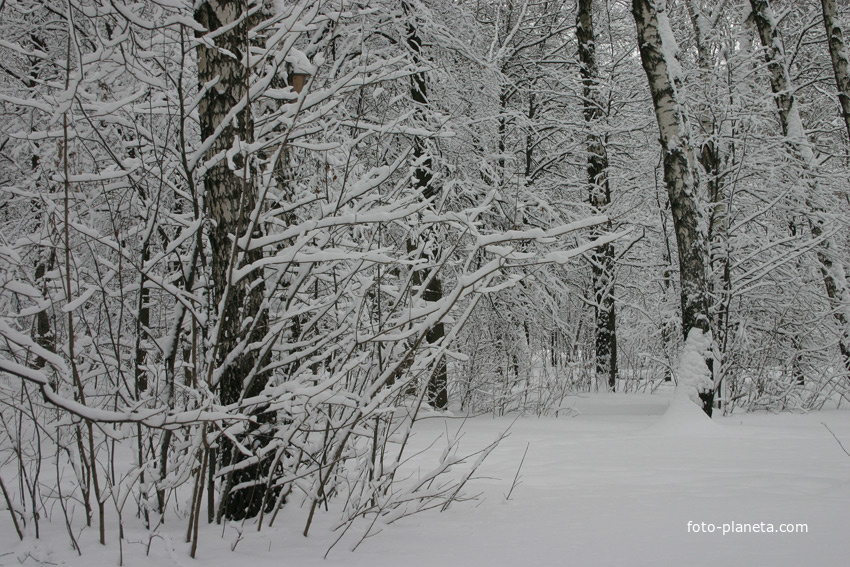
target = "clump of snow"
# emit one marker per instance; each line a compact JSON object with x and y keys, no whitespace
{"x":670,"y":49}
{"x":685,"y":416}
{"x":693,"y":375}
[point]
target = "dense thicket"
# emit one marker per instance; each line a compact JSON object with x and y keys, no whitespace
{"x":244,"y":244}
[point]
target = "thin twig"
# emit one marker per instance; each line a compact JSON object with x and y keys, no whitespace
{"x":837,"y":440}
{"x":11,"y":509}
{"x":516,"y":477}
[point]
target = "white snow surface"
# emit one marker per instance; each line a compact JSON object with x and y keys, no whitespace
{"x":613,"y":481}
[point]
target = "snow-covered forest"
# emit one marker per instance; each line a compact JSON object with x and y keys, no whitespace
{"x":252,"y":252}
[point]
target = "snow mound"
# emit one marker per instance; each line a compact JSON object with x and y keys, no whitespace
{"x":684,"y":418}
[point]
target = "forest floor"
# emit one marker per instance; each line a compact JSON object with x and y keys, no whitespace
{"x":614,"y":480}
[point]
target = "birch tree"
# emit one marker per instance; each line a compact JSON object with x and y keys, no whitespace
{"x":227,"y":129}
{"x":791,"y":123}
{"x":658,"y":51}
{"x":839,"y":57}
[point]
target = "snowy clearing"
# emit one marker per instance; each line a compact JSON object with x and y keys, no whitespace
{"x":614,"y":484}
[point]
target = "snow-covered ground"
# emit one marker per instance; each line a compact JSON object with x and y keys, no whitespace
{"x":613,"y":481}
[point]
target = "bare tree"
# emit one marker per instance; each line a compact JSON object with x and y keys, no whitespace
{"x":599,"y":189}
{"x":427,"y":186}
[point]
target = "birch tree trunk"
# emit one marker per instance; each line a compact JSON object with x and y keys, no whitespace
{"x":658,"y":55}
{"x":225,"y":118}
{"x":599,"y":195}
{"x":831,"y":267}
{"x":713,"y":155}
{"x":838,"y":54}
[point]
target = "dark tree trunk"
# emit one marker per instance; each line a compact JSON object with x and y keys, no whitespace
{"x":680,"y":174}
{"x":42,"y":332}
{"x":599,"y":190}
{"x":231,"y":199}
{"x":423,"y":178}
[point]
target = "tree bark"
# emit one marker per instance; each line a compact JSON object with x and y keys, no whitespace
{"x":599,"y":196}
{"x":658,"y":56}
{"x":231,"y":199}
